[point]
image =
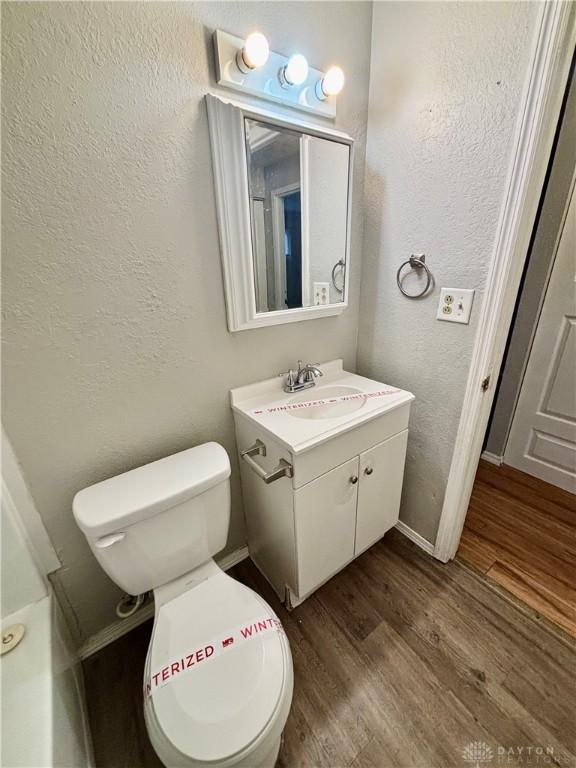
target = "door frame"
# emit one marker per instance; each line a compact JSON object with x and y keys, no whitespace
{"x":260,"y":264}
{"x":276,"y":197}
{"x":544,"y":91}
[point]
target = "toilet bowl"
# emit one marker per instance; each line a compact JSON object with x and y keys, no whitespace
{"x":218,"y":677}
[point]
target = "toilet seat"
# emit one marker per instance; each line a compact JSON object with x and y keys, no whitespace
{"x":218,"y":673}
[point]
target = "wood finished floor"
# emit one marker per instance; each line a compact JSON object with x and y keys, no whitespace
{"x":399,"y":662}
{"x":521,"y":533}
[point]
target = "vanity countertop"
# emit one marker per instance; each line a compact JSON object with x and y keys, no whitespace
{"x":339,"y":402}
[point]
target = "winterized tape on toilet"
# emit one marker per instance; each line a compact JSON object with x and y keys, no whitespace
{"x":205,"y":652}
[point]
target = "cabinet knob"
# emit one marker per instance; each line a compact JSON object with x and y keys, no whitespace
{"x":354,"y":479}
{"x":368,"y":470}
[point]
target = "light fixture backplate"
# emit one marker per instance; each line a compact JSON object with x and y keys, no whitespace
{"x":264,"y":82}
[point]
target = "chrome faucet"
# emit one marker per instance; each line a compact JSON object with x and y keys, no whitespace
{"x":303,"y":378}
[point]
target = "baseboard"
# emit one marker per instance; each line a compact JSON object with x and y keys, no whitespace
{"x":415,"y":537}
{"x":492,"y":458}
{"x":115,"y":631}
{"x":233,"y":558}
{"x":121,"y":627}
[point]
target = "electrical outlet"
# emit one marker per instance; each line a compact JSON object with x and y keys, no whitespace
{"x":455,"y":305}
{"x":321,"y":293}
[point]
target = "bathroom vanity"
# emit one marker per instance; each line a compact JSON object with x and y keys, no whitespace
{"x":321,"y":472}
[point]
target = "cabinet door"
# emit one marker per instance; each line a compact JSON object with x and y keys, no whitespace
{"x":325,"y":518}
{"x":380,"y":487}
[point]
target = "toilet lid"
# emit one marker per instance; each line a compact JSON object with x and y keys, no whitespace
{"x":216,"y":669}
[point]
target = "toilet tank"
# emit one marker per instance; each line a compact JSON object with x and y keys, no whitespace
{"x":155,"y":523}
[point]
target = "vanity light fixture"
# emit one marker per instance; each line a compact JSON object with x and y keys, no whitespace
{"x":254,"y":53}
{"x":295,"y":72}
{"x":331,"y":84}
{"x":247,"y":65}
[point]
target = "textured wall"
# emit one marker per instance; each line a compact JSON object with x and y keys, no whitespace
{"x":116,"y":350}
{"x":445,"y":89}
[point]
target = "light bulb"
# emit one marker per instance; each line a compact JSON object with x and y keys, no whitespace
{"x":254,"y":53}
{"x":295,"y":72}
{"x":331,"y":84}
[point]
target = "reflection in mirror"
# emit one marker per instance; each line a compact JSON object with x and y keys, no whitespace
{"x":298,"y":187}
{"x":275,"y":203}
{"x":327,"y":164}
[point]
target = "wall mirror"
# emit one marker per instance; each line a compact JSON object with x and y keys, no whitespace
{"x":283,"y":190}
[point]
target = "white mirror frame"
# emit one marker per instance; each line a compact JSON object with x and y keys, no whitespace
{"x":227,"y":138}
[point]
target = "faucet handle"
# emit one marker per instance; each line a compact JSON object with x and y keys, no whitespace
{"x":290,"y":376}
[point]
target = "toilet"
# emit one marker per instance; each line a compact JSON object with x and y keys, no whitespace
{"x":218,"y":677}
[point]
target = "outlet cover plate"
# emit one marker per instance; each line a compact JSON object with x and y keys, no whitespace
{"x":455,"y":305}
{"x":321,"y":293}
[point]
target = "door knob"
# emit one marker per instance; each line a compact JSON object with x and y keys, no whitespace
{"x":368,"y":470}
{"x":354,"y":479}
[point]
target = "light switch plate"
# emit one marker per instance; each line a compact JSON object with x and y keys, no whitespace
{"x":455,"y":305}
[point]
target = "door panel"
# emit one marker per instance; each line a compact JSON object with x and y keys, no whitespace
{"x":381,"y":476}
{"x":325,"y":518}
{"x":542,"y":439}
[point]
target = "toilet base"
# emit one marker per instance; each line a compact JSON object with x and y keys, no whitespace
{"x":268,"y":761}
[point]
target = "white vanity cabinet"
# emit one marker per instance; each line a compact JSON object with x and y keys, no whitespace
{"x":379,"y":489}
{"x":342,"y":496}
{"x":342,"y":513}
{"x":325,"y":525}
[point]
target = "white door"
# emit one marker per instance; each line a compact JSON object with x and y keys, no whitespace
{"x":542,"y":440}
{"x":325,"y":514}
{"x":381,"y":475}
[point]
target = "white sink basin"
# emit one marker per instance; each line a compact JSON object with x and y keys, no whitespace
{"x":332,"y":405}
{"x":339,"y":402}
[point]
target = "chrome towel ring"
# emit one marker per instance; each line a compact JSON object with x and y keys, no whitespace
{"x":339,"y":264}
{"x":417,"y":263}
